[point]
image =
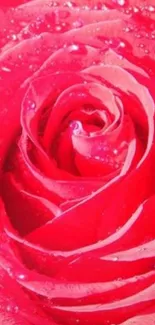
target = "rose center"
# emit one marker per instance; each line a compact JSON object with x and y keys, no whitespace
{"x":89,"y":141}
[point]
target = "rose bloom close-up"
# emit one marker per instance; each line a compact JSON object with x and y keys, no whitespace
{"x":77,"y":162}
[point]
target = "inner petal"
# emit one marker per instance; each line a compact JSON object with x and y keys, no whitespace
{"x":91,"y":112}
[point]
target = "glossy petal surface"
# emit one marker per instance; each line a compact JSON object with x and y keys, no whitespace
{"x":77,"y":155}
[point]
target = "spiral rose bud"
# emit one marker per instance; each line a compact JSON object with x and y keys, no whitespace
{"x":77,"y":155}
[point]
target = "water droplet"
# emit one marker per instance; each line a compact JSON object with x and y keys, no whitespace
{"x":31,"y":105}
{"x":6,"y":69}
{"x":147,"y":51}
{"x":97,"y":157}
{"x":61,"y":27}
{"x":115,"y":151}
{"x":122,"y":44}
{"x":151,"y":8}
{"x":48,"y":26}
{"x":53,"y":4}
{"x":76,"y":126}
{"x":152,"y":36}
{"x":138,"y":35}
{"x":73,"y":48}
{"x":115,"y":258}
{"x":69,"y":4}
{"x":141,"y":45}
{"x":135,"y":9}
{"x":127,"y":11}
{"x":12,"y":308}
{"x":14,"y":37}
{"x":121,"y":2}
{"x":58,"y":28}
{"x":100,"y":6}
{"x":127,"y":29}
{"x":32,"y":67}
{"x":77,"y":49}
{"x":21,"y":276}
{"x":85,"y":7}
{"x":78,"y":23}
{"x":20,"y":56}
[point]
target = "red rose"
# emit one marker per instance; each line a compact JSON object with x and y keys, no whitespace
{"x":77,"y":208}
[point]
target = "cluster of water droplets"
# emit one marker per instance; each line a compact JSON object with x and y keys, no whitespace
{"x":11,"y":307}
{"x":95,"y":5}
{"x":143,"y":7}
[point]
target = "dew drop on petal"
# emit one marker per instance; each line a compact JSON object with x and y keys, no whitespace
{"x":97,"y":157}
{"x":58,"y":28}
{"x":53,"y":4}
{"x":151,"y":8}
{"x":73,"y":48}
{"x":115,"y":151}
{"x":21,"y":276}
{"x":85,"y":7}
{"x":122,"y":44}
{"x":5,"y":69}
{"x":12,"y":308}
{"x":121,"y":2}
{"x":76,"y":126}
{"x":14,"y":37}
{"x":77,"y":49}
{"x":152,"y":36}
{"x":141,"y":45}
{"x":138,"y":35}
{"x":32,"y":67}
{"x":31,"y":105}
{"x":126,"y":29}
{"x":135,"y":10}
{"x":20,"y":56}
{"x":69,"y":4}
{"x":147,"y":51}
{"x":78,"y":23}
{"x":115,"y":258}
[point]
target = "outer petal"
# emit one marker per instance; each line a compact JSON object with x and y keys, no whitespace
{"x":16,"y":306}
